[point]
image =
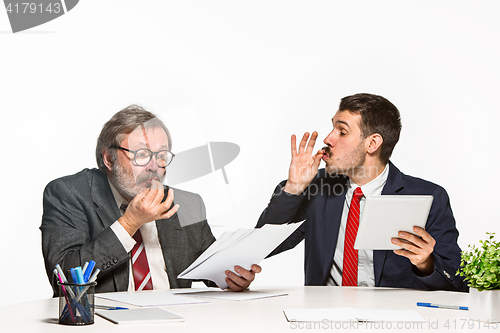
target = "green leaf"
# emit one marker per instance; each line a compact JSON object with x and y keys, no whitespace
{"x":481,"y":266}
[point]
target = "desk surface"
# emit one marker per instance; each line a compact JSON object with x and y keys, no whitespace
{"x":266,"y":315}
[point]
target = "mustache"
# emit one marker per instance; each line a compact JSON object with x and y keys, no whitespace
{"x":327,"y":150}
{"x":148,"y":176}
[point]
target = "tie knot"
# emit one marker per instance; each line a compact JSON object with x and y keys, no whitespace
{"x":358,"y":193}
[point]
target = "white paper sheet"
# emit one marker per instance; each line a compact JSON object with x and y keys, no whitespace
{"x":231,"y":295}
{"x":140,"y":316}
{"x":350,"y":314}
{"x":243,"y":247}
{"x":149,"y":298}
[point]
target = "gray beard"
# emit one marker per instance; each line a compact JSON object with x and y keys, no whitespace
{"x":127,"y":184}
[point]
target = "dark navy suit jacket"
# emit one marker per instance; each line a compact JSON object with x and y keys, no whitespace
{"x":322,"y":204}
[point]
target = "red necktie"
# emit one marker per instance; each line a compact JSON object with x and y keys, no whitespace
{"x":140,"y":267}
{"x":350,"y":264}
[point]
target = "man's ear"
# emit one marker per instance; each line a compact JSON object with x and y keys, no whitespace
{"x":107,"y":160}
{"x":374,"y":142}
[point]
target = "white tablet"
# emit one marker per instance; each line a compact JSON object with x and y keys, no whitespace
{"x":383,"y":216}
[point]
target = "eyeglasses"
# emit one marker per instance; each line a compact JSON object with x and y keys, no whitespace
{"x":144,"y":155}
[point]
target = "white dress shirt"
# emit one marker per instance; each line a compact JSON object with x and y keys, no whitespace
{"x":366,"y":273}
{"x":152,"y":246}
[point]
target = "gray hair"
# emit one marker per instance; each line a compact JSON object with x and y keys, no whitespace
{"x":121,"y":124}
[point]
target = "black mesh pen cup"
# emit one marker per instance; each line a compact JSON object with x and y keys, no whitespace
{"x":76,"y":303}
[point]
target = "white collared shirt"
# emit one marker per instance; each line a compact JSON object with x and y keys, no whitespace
{"x":366,"y":273}
{"x":152,"y":246}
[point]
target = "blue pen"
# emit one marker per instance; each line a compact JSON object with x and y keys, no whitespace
{"x":79,"y":278}
{"x":84,"y":312}
{"x":79,"y":275}
{"x":443,"y":306}
{"x":88,"y":271}
{"x":73,"y":275}
{"x":92,"y":279}
{"x":85,"y":267}
{"x":104,"y":307}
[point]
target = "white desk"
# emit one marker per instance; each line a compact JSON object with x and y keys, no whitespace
{"x":264,"y":315}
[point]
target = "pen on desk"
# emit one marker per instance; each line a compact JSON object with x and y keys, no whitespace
{"x":104,"y":307}
{"x":443,"y":306}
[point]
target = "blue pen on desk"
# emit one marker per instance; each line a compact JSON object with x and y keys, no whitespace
{"x":442,"y":306}
{"x":104,"y":307}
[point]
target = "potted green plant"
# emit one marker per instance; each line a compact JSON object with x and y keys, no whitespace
{"x":481,"y":268}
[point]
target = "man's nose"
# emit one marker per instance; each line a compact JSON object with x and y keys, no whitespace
{"x":152,"y":165}
{"x":329,"y":139}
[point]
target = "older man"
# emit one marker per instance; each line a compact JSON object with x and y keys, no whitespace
{"x":120,"y":216}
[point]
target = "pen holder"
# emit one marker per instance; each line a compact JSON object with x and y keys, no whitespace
{"x":76,"y":303}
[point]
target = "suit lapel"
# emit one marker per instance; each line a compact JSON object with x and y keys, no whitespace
{"x":108,"y":212}
{"x":175,"y":254}
{"x":333,"y":215}
{"x":103,"y":198}
{"x":393,"y":185}
{"x":175,"y":247}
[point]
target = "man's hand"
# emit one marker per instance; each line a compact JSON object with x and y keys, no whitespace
{"x":304,"y":165}
{"x":241,"y":281}
{"x":147,"y":207}
{"x":417,"y":249}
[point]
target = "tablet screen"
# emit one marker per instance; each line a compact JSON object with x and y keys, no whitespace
{"x":383,"y":216}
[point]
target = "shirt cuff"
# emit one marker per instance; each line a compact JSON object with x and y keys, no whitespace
{"x":123,"y":236}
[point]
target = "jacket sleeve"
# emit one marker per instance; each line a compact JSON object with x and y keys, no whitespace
{"x":446,"y":255}
{"x":285,"y":208}
{"x":70,"y":237}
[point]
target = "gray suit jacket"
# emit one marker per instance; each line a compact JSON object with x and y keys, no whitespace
{"x":77,"y":213}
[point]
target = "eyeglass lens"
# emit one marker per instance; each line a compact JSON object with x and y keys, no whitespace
{"x":143,"y":156}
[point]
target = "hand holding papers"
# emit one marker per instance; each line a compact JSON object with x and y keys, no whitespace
{"x":242,"y":247}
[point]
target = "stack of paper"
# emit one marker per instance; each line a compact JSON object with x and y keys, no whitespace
{"x":243,"y":247}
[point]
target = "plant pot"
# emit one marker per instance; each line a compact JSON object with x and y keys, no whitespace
{"x":484,"y":305}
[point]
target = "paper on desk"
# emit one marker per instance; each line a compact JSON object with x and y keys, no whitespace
{"x":350,"y":314}
{"x":243,"y":247}
{"x":216,"y":293}
{"x":149,"y":298}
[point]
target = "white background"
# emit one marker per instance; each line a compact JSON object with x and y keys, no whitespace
{"x":252,"y":73}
